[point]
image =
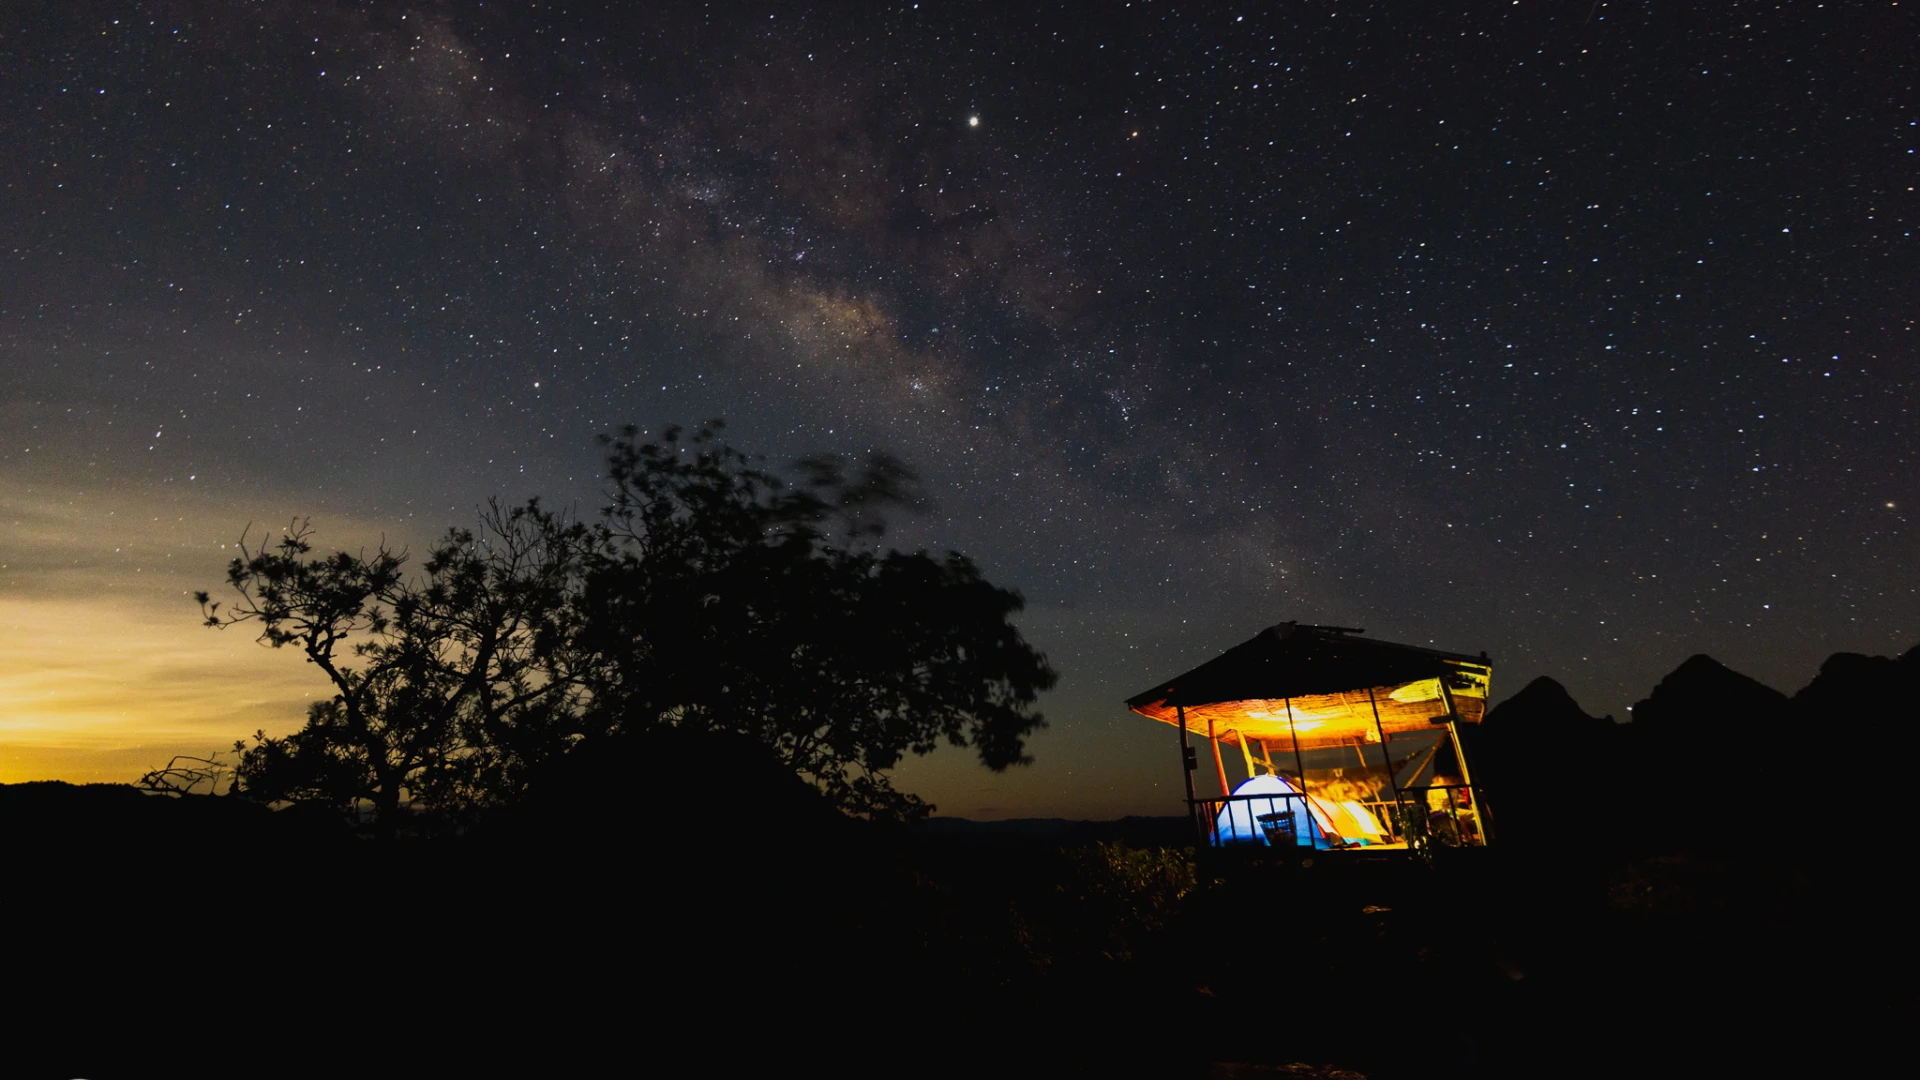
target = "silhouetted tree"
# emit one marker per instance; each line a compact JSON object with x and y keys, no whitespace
{"x":712,"y":595}
{"x":185,"y":774}
{"x":446,"y":687}
{"x":728,"y":598}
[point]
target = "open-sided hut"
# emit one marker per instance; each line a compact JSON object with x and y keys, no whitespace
{"x":1342,"y":742}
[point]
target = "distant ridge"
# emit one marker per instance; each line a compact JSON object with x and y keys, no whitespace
{"x":1703,"y":694}
{"x":1133,"y":830}
{"x":1544,"y":702}
{"x":1852,"y":684}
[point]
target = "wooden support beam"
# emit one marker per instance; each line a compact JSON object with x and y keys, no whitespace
{"x":1386,"y":756}
{"x":1187,"y":763}
{"x":1219,"y":765}
{"x":1298,"y":763}
{"x":1453,"y":730}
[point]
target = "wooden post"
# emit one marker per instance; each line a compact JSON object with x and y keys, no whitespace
{"x":1186,"y":763}
{"x":1466,"y":771}
{"x":1299,"y":765}
{"x":1219,"y":765}
{"x":1246,"y":752}
{"x":1453,"y":729}
{"x":1305,"y":820}
{"x":1386,"y":755}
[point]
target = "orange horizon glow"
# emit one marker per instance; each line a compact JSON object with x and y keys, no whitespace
{"x":100,"y":691}
{"x":106,"y":670}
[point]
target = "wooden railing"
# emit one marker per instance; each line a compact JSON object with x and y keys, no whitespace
{"x":1435,"y":815}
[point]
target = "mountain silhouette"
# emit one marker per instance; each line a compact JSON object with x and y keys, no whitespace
{"x":1873,"y":689}
{"x":1543,"y":710}
{"x":1703,"y":697}
{"x":1538,"y":750}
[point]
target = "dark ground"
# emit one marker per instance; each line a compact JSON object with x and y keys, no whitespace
{"x":151,"y":933}
{"x":1661,"y":900}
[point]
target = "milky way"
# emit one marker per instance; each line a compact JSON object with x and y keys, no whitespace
{"x":1583,"y":337}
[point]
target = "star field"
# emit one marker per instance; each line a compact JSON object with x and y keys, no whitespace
{"x":1579,"y":333}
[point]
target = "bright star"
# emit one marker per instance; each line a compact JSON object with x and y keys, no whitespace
{"x":973,"y":121}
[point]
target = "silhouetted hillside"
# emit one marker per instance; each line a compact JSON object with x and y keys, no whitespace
{"x":674,"y":785}
{"x":1133,"y":831}
{"x":1874,"y":690}
{"x":73,"y":820}
{"x":1538,"y":750}
{"x":1703,"y":699}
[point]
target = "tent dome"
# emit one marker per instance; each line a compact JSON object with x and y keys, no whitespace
{"x":1272,"y":795}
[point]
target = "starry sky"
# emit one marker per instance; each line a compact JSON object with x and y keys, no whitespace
{"x":1582,"y":333}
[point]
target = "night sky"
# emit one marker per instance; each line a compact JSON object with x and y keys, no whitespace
{"x":1582,"y":333}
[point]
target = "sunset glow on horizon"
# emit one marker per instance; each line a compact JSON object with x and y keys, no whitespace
{"x":106,"y":670}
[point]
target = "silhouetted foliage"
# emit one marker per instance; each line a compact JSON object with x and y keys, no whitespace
{"x":722,"y":598}
{"x":712,"y":595}
{"x":718,"y":787}
{"x":186,"y":774}
{"x":447,"y":687}
{"x":1126,"y":894}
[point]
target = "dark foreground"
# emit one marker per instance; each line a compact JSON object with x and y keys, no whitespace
{"x":149,"y":934}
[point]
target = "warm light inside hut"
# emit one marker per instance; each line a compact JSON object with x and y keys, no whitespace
{"x":1336,"y":741}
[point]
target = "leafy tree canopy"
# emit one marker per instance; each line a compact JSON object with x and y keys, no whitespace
{"x":711,"y":592}
{"x":447,"y":686}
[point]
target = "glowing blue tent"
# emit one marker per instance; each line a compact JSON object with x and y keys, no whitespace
{"x":1268,"y":810}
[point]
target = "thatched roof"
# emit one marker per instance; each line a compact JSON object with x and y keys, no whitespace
{"x":1314,"y":682}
